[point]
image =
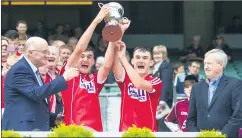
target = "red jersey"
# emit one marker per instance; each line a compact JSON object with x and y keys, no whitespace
{"x":18,"y":54}
{"x":81,"y":101}
{"x":176,"y":119}
{"x":138,"y":107}
{"x":52,"y":98}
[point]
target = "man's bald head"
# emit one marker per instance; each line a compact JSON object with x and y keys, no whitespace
{"x":35,"y":43}
{"x":37,"y":51}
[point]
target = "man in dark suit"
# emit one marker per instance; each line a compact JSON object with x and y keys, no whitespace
{"x":214,"y":101}
{"x":25,"y":95}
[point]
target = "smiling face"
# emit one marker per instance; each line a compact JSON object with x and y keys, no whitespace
{"x":213,"y":68}
{"x":86,"y":62}
{"x":64,"y":54}
{"x":142,"y":61}
{"x":52,"y":58}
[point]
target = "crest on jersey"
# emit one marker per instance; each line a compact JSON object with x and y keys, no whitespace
{"x":91,"y":76}
{"x":88,"y":85}
{"x":137,"y":94}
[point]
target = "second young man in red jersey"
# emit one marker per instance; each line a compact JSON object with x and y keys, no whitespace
{"x":140,"y":92}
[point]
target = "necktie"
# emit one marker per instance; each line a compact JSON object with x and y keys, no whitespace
{"x":39,"y":78}
{"x":210,"y":94}
{"x":40,"y":81}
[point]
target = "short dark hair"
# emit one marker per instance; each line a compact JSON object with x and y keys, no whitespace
{"x":4,"y":38}
{"x":190,"y":80}
{"x":177,"y":65}
{"x":21,"y":21}
{"x":143,"y":49}
{"x":11,"y":34}
{"x":90,"y":48}
{"x":65,"y":47}
{"x":195,"y":61}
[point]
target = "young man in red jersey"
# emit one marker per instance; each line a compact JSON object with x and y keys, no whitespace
{"x":140,"y":92}
{"x":176,"y":119}
{"x":81,"y":101}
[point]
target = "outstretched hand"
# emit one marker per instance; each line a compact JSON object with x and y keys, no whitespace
{"x":102,"y":13}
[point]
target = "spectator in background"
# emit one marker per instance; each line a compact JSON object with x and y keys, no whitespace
{"x":99,"y":62}
{"x":4,"y":54}
{"x":78,"y":32}
{"x":20,"y":48}
{"x":52,"y":73}
{"x":101,"y":47}
{"x":220,"y":44}
{"x":193,"y":69}
{"x":43,"y":71}
{"x":176,"y":120}
{"x":178,"y":68}
{"x":163,"y":70}
{"x":40,"y":30}
{"x":22,"y":27}
{"x":195,"y":50}
{"x":52,"y":60}
{"x":236,"y":27}
{"x":67,"y":30}
{"x":72,"y":42}
{"x":13,"y":39}
{"x":65,"y":52}
{"x":58,"y":34}
{"x":58,"y":43}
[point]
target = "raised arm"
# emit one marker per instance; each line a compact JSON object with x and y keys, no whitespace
{"x":86,"y":37}
{"x":117,"y":68}
{"x":108,"y":62}
{"x":135,"y":78}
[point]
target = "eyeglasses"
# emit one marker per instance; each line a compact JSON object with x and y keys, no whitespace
{"x":45,"y":52}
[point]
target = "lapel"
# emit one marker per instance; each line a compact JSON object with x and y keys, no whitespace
{"x":157,"y":73}
{"x":205,"y":94}
{"x":31,"y":71}
{"x":36,"y":81}
{"x":222,"y":83}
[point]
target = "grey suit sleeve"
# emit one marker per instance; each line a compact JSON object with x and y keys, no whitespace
{"x":167,"y":76}
{"x":235,"y":121}
{"x":192,"y":114}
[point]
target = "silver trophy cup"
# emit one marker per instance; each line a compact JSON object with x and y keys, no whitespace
{"x":112,"y":31}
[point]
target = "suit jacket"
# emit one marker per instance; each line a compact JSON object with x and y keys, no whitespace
{"x":165,"y":73}
{"x":25,"y":105}
{"x":221,"y":114}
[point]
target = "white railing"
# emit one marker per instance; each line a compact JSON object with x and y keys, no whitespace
{"x":114,"y":134}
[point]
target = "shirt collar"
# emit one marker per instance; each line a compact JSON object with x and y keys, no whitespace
{"x":31,"y":65}
{"x":214,"y":83}
{"x":156,"y":67}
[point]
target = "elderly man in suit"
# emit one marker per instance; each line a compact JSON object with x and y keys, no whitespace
{"x":213,"y":103}
{"x":26,"y":96}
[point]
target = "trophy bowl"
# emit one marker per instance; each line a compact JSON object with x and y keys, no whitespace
{"x":112,"y":31}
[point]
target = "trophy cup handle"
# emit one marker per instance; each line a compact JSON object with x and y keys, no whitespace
{"x":100,"y":5}
{"x":124,"y":18}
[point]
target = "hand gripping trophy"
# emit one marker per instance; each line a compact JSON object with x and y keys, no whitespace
{"x":112,"y":31}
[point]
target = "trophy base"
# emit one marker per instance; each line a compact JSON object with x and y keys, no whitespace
{"x":112,"y":33}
